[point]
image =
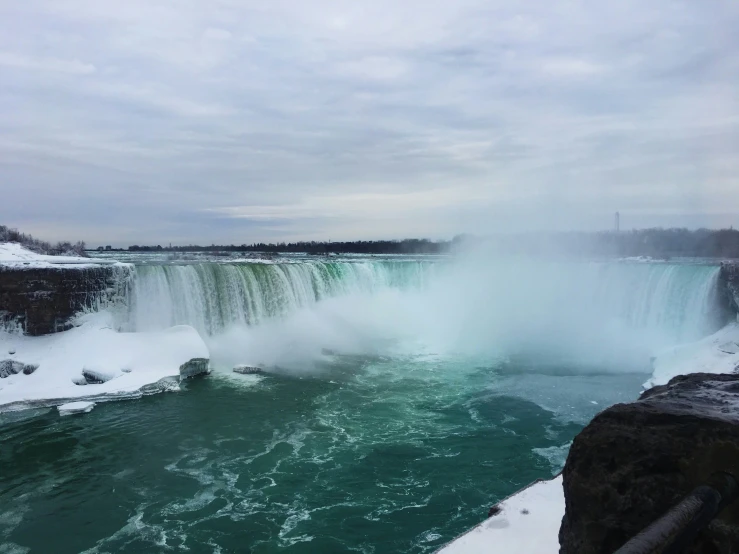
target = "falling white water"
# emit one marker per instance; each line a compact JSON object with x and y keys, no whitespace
{"x":610,"y":313}
{"x":212,"y":296}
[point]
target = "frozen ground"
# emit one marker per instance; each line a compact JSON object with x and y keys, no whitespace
{"x":14,"y":254}
{"x":93,"y":361}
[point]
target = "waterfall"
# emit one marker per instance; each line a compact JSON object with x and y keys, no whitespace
{"x":615,"y":311}
{"x":212,"y":296}
{"x":577,"y":309}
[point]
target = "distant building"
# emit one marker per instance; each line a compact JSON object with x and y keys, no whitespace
{"x":100,"y":248}
{"x":618,"y":222}
{"x":109,"y":247}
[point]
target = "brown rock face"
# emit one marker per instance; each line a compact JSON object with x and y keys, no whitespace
{"x":43,"y":300}
{"x":635,"y":461}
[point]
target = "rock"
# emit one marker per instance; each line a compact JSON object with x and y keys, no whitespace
{"x":328,"y":352}
{"x":29,"y":368}
{"x":635,"y":461}
{"x":247,"y":369}
{"x":75,"y":408}
{"x":95,"y":376}
{"x":44,"y":300}
{"x":10,"y":367}
{"x":196,"y":366}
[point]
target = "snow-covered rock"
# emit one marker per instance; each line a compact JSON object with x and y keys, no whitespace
{"x":95,"y":362}
{"x":13,"y":254}
{"x":245,"y":369}
{"x":75,"y":408}
{"x":527,"y":523}
{"x":12,"y":367}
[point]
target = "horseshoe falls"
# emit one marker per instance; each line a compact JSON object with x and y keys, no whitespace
{"x":399,"y":400}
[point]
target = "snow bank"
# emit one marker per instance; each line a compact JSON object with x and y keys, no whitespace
{"x":528,"y":523}
{"x":717,"y":353}
{"x":94,"y":362}
{"x":13,"y":254}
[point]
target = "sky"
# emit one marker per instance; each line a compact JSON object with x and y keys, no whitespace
{"x":235,"y":121}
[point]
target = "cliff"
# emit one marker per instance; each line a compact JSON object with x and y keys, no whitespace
{"x":42,"y":298}
{"x":635,"y":461}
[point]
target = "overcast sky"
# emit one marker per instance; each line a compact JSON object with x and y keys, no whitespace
{"x":152,"y":121}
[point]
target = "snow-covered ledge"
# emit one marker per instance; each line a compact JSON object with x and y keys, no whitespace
{"x":41,"y":294}
{"x":526,"y":523}
{"x":95,"y":362}
{"x":15,"y":255}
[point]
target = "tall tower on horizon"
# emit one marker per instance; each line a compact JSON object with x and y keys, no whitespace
{"x":618,"y":222}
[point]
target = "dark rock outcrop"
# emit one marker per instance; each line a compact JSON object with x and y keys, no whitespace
{"x":635,"y":461}
{"x":44,"y":300}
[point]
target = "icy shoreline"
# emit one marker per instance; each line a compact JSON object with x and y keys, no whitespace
{"x":95,"y":362}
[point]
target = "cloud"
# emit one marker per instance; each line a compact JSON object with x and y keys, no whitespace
{"x":73,"y":67}
{"x":233,"y":121}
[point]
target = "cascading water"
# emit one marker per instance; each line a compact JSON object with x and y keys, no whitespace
{"x":213,"y":296}
{"x":575,"y":310}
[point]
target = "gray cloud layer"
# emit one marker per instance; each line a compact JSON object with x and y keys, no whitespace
{"x":236,"y":120}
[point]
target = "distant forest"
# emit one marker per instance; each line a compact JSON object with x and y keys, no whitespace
{"x":655,"y":243}
{"x":39,"y":246}
{"x":407,"y":246}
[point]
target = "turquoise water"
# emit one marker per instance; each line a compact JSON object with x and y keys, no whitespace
{"x":367,"y":454}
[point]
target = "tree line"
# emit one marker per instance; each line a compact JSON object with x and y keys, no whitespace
{"x":8,"y":234}
{"x":407,"y":246}
{"x":655,"y":243}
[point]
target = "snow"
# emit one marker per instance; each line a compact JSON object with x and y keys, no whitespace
{"x":130,"y":364}
{"x":75,"y":408}
{"x":717,"y":353}
{"x":528,"y":523}
{"x":14,"y":255}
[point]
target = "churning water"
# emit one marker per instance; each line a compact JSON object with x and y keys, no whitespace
{"x":403,"y":398}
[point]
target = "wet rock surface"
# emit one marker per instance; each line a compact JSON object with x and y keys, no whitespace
{"x":43,"y":300}
{"x":635,"y":461}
